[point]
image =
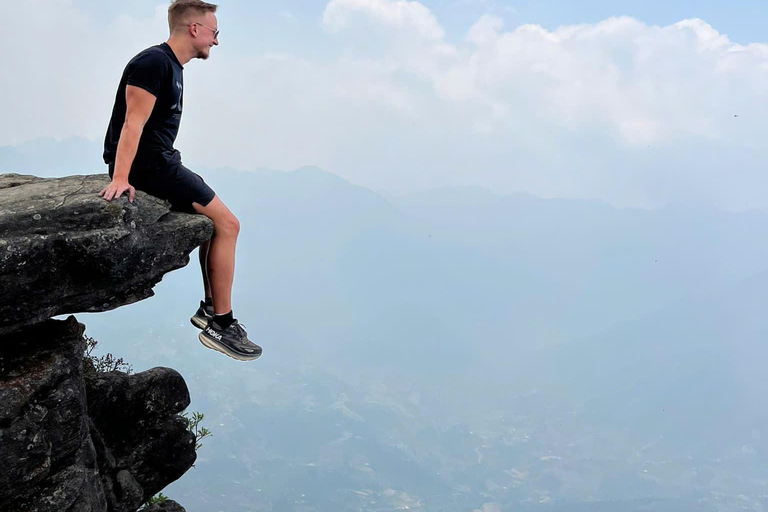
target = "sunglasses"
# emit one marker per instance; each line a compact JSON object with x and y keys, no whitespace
{"x":215,"y":32}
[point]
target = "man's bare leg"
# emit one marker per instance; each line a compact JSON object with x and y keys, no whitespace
{"x":221,"y":253}
{"x":223,"y":333}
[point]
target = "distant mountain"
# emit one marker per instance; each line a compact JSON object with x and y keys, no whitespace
{"x":690,"y":378}
{"x":51,"y":158}
{"x":470,"y":348}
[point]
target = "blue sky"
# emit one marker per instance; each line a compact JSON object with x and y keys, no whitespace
{"x":744,"y":21}
{"x":560,"y":99}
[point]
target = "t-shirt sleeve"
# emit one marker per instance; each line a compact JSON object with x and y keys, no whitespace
{"x":149,"y":72}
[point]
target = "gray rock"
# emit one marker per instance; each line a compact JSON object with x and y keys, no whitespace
{"x":76,"y":440}
{"x":73,"y":439}
{"x":48,"y":459}
{"x":136,"y":417}
{"x":130,"y":492}
{"x":64,"y":249}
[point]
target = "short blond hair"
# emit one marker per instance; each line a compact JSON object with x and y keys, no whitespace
{"x":181,"y":12}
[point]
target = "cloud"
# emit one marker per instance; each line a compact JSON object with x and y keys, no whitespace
{"x":485,"y":31}
{"x":400,"y":15}
{"x":610,"y":91}
{"x":642,"y":84}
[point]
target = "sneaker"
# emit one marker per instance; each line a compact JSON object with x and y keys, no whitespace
{"x":202,"y":315}
{"x":232,"y":341}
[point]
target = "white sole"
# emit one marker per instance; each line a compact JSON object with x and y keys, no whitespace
{"x":197,"y":322}
{"x":219,"y":348}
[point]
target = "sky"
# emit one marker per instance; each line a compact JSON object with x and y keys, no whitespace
{"x":638,"y":104}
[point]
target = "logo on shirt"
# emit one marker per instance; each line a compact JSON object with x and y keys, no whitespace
{"x":177,"y":106}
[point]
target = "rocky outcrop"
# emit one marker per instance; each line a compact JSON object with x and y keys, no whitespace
{"x":73,"y":439}
{"x":64,"y":249}
{"x":142,"y":443}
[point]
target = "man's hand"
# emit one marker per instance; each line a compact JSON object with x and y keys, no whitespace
{"x":116,"y":189}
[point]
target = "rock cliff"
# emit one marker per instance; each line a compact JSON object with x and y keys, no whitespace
{"x":73,"y":439}
{"x":64,"y":249}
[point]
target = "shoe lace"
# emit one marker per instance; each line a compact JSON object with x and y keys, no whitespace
{"x":239,"y":330}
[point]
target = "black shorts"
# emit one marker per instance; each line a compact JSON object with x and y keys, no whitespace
{"x":177,"y":184}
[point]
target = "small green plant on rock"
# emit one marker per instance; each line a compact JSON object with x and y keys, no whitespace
{"x":106,"y":363}
{"x":158,"y":498}
{"x":193,"y":424}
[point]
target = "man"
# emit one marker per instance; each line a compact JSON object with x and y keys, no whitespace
{"x":139,"y":151}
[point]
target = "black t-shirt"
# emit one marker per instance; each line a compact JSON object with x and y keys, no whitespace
{"x":158,"y":71}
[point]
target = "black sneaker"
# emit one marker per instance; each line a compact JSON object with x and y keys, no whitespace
{"x":232,"y":341}
{"x":202,"y":315}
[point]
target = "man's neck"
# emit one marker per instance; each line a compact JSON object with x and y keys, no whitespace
{"x":183,"y":52}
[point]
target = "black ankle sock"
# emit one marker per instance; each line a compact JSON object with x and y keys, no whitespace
{"x":224,"y":321}
{"x":209,"y":302}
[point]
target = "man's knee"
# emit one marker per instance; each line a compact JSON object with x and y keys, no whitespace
{"x":224,"y":221}
{"x":228,"y":224}
{"x":235,"y":225}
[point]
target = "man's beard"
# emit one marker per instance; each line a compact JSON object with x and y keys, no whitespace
{"x":202,"y":54}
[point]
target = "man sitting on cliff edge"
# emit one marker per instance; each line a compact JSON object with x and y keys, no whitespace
{"x":138,"y":149}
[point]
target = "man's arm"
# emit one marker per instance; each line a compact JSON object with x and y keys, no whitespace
{"x":138,"y":107}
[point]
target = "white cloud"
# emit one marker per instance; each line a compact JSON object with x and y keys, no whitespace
{"x":485,"y":31}
{"x":400,"y":15}
{"x":643,"y":84}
